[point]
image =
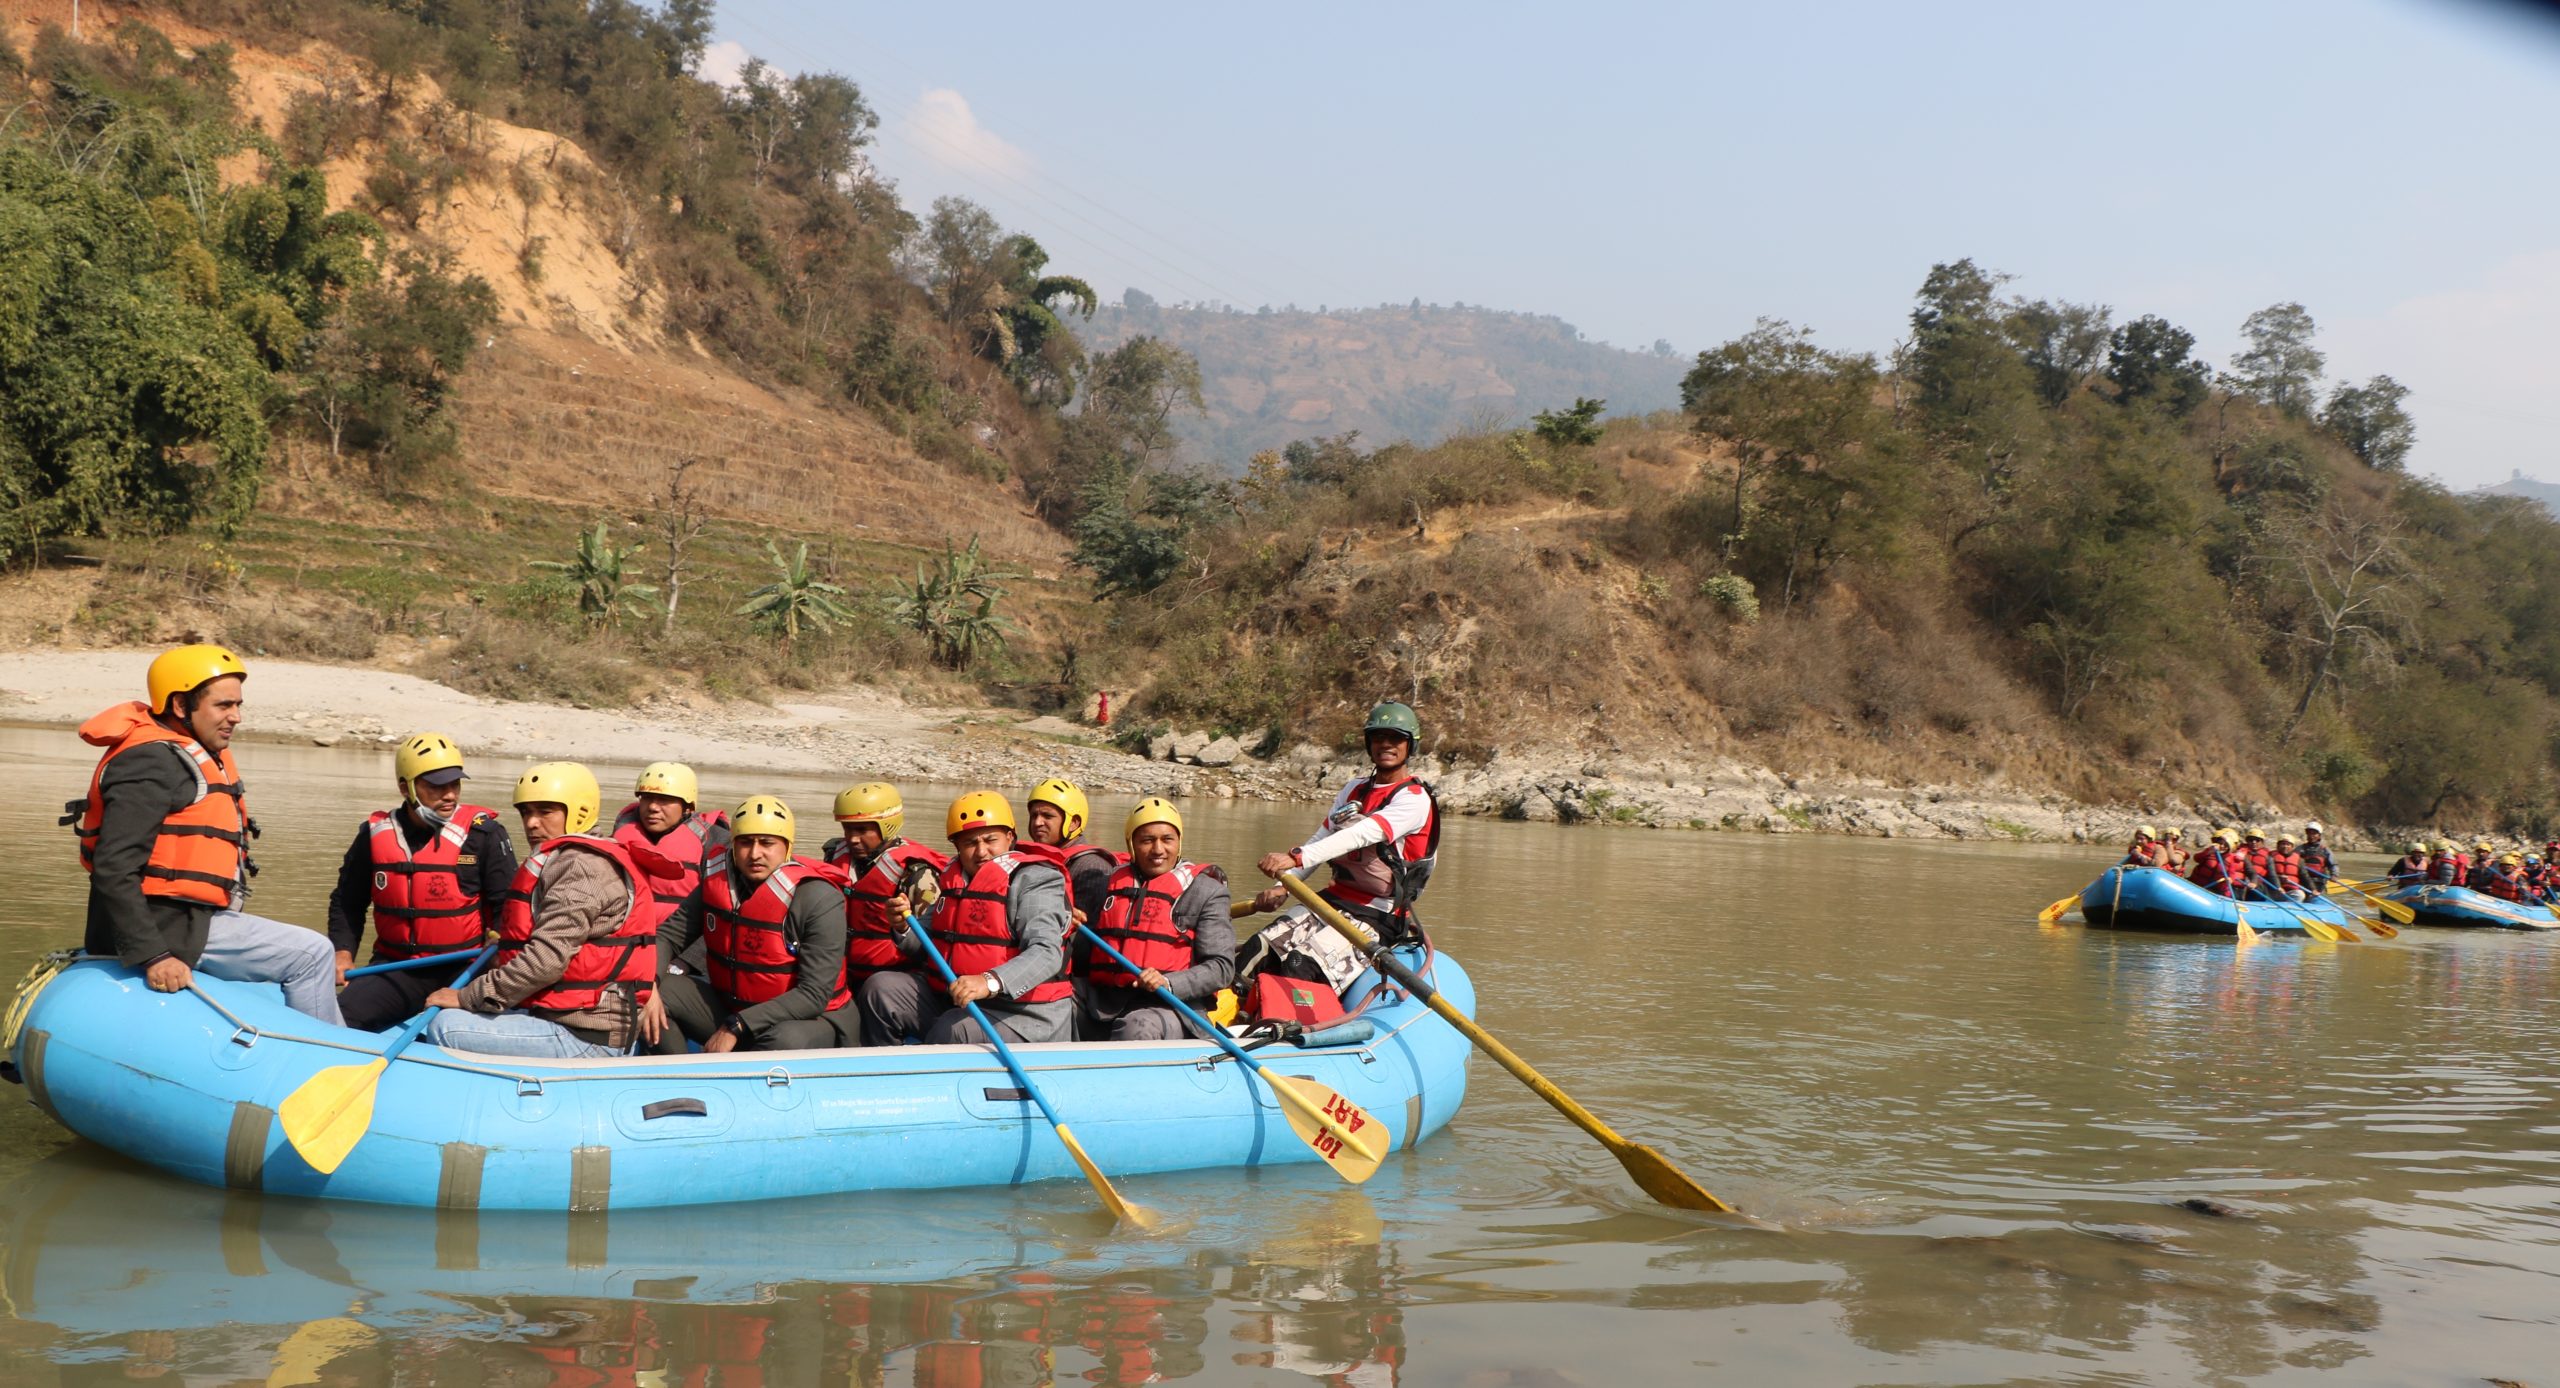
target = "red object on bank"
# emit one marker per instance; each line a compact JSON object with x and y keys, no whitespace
{"x":1102,"y":709}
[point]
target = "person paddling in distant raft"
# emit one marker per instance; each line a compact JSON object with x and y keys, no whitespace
{"x":772,"y":929}
{"x":2248,"y":866}
{"x":1169,"y":917}
{"x":876,"y":862}
{"x":2213,"y":867}
{"x":2319,"y":866}
{"x":660,"y":816}
{"x":577,"y":943}
{"x":2505,"y":878}
{"x":2174,"y":854}
{"x":164,"y":836}
{"x":2283,"y":873}
{"x":1057,"y":812}
{"x":2146,"y":850}
{"x":2416,"y":865}
{"x":1382,"y":837}
{"x":1001,"y":922}
{"x":434,"y":873}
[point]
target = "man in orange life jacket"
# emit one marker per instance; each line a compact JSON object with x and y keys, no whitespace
{"x":164,"y":833}
{"x":876,"y":863}
{"x":2247,"y":865}
{"x":2282,"y":879}
{"x":661,"y":816}
{"x":2174,"y":853}
{"x":1057,"y":812}
{"x":2414,"y":867}
{"x":1001,"y":923}
{"x":2146,"y":850}
{"x":1170,"y":918}
{"x":1382,"y":837}
{"x":577,"y":941}
{"x":434,"y":873}
{"x":2503,"y":878}
{"x":772,"y":927}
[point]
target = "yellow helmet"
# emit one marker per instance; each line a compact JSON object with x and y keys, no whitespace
{"x":2255,"y":833}
{"x":673,"y":779}
{"x":2173,"y":832}
{"x":185,"y":669}
{"x":872,"y":802}
{"x":2145,"y":831}
{"x":2418,"y":849}
{"x":761,"y":814}
{"x":563,"y":783}
{"x":1155,"y":809}
{"x":2444,"y":845}
{"x":421,"y":753}
{"x":2228,"y":837}
{"x":2484,"y":845}
{"x":1068,"y":797}
{"x":979,"y":809}
{"x":2512,"y":859}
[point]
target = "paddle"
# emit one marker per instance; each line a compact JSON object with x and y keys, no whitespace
{"x":2058,"y":910}
{"x":1339,"y":1130}
{"x":330,"y":1113}
{"x":2397,"y":911}
{"x":2316,"y":928}
{"x":421,"y":962}
{"x":1651,"y":1170}
{"x":1136,"y":1215}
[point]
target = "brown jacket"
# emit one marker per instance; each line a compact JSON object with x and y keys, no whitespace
{"x":582,"y":897}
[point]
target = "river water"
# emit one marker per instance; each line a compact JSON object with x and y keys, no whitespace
{"x":1965,"y":1139}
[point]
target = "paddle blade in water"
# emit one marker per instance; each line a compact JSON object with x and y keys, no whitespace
{"x":2383,"y":928}
{"x":328,"y":1115}
{"x":1657,"y":1177}
{"x":1340,"y":1131}
{"x":2058,"y":910}
{"x":1134,"y":1215}
{"x":2248,"y":933}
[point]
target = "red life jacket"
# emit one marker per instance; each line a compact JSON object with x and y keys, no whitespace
{"x":871,"y":929}
{"x":1366,"y":878}
{"x":419,"y":906}
{"x":2146,"y":855}
{"x":2285,"y":869}
{"x":2212,"y":871}
{"x":973,"y":926}
{"x":628,"y":955}
{"x":201,"y":853}
{"x":747,"y":946}
{"x":1137,"y":918}
{"x":2502,"y":884}
{"x":688,"y":846}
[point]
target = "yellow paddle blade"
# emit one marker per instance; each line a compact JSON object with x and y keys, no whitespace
{"x":328,"y":1115}
{"x":2248,"y":934}
{"x":2399,"y":911}
{"x":2322,"y":930}
{"x":1350,"y":1141}
{"x":2383,"y":928}
{"x":1656,"y":1176}
{"x":308,"y":1350}
{"x":1135,"y":1215}
{"x":2058,"y":910}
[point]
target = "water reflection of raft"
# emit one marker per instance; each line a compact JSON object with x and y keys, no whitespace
{"x":2152,"y":899}
{"x":2461,"y":906}
{"x":190,"y":1084}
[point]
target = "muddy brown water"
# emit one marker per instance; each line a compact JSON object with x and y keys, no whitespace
{"x":1969,"y":1140}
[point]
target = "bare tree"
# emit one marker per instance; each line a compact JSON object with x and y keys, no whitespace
{"x":2353,"y":583}
{"x":680,"y":520}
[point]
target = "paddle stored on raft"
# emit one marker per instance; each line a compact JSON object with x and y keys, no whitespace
{"x":190,"y":1082}
{"x":2131,"y":898}
{"x":2461,"y":906}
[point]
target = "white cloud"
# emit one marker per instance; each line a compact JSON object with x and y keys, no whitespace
{"x":722,"y":62}
{"x":945,"y":131}
{"x":2479,"y":361}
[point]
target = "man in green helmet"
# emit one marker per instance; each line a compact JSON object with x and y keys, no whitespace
{"x":1382,"y":837}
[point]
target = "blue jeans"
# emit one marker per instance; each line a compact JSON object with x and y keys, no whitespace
{"x":253,"y":949}
{"x":512,"y":1033}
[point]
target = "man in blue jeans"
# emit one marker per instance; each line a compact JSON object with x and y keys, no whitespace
{"x":577,"y":941}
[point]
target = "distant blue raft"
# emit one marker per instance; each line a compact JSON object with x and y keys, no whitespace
{"x":190,"y":1084}
{"x":2156,"y":899}
{"x":2461,"y":906}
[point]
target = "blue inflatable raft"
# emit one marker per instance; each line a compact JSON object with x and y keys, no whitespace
{"x":2155,"y":899}
{"x":2461,"y":906}
{"x":190,"y":1083}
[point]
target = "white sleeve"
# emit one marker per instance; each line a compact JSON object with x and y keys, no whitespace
{"x":1405,"y":811}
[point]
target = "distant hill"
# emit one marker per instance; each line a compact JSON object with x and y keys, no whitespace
{"x":2548,"y":493}
{"x":1420,"y":372}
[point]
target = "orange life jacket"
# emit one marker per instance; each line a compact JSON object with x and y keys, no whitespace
{"x":973,"y":926}
{"x":201,"y":853}
{"x":2146,"y":855}
{"x":419,"y":906}
{"x":870,"y":927}
{"x":628,"y":955}
{"x":2285,"y":869}
{"x":1137,"y":918}
{"x":748,"y":949}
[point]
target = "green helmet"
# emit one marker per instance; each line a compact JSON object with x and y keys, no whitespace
{"x":1394,"y":718}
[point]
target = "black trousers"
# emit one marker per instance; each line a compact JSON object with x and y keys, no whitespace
{"x":378,"y":1001}
{"x":694,"y":1012}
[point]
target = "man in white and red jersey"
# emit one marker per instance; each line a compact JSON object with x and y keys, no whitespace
{"x":1382,"y":837}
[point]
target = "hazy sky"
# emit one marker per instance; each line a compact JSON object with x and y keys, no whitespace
{"x":1678,"y":170}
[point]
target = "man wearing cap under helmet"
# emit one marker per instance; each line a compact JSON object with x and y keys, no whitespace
{"x":433,"y":872}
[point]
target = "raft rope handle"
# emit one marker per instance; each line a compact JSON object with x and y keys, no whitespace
{"x":39,"y":976}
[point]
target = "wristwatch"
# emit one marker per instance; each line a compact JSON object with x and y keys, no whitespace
{"x":995,"y":985}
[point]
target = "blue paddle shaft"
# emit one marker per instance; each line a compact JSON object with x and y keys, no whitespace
{"x":417,"y":1024}
{"x":422,"y":962}
{"x":1215,"y":1032}
{"x":995,"y":1038}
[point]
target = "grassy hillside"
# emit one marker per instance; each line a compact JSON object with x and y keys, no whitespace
{"x":1419,"y":373}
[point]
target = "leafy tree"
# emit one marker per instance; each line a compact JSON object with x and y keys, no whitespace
{"x":952,"y":604}
{"x":795,"y":596}
{"x":2350,"y":590}
{"x":2279,"y":366}
{"x":2059,"y":342}
{"x":1123,"y":429}
{"x":1778,"y":403}
{"x":1133,"y":548}
{"x":378,"y":375}
{"x":2149,"y":359}
{"x":2369,"y":419}
{"x":808,"y":129}
{"x":1575,"y":427}
{"x":596,"y":575}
